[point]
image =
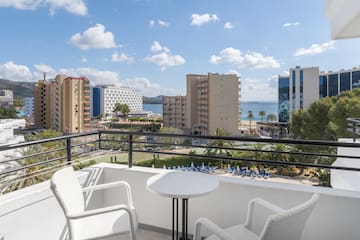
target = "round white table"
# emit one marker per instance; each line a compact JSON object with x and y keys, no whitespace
{"x":183,"y":185}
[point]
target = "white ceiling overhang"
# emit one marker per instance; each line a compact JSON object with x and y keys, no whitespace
{"x":344,"y":16}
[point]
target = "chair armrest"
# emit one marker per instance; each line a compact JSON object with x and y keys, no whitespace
{"x":212,"y":227}
{"x":98,"y":211}
{"x":258,"y":212}
{"x":112,"y":185}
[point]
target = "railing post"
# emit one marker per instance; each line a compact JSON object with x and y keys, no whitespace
{"x":354,"y":132}
{"x":99,"y":140}
{"x":130,"y":160}
{"x":68,"y":150}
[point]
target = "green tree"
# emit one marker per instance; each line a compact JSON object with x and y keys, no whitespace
{"x":344,"y":108}
{"x":262,"y":114}
{"x":38,"y":173}
{"x":271,"y":117}
{"x":7,"y":112}
{"x":123,"y":108}
{"x":216,"y":147}
{"x":257,"y":153}
{"x":325,"y":119}
{"x":277,"y":155}
{"x":250,"y":117}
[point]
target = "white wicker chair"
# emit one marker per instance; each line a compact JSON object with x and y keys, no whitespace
{"x":96,"y":223}
{"x":265,"y":221}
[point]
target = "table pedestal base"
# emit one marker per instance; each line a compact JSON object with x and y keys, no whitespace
{"x":175,"y":219}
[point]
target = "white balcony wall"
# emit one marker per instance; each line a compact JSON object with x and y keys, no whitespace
{"x":33,"y":213}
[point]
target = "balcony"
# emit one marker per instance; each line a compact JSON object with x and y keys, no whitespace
{"x":38,"y":216}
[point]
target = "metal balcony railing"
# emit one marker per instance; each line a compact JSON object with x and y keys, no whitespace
{"x":354,"y":127}
{"x":47,"y":155}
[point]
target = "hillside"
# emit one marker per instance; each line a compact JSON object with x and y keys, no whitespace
{"x":152,"y":100}
{"x":20,"y":89}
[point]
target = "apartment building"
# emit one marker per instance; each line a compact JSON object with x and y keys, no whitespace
{"x":105,"y":97}
{"x":174,"y":111}
{"x":28,"y":106}
{"x":57,"y":115}
{"x":6,"y":98}
{"x":40,"y":104}
{"x":63,"y":104}
{"x":303,"y":86}
{"x":211,"y":102}
{"x":76,"y":104}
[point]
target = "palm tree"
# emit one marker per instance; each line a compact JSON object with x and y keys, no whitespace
{"x":250,"y":117}
{"x":216,"y":147}
{"x":271,"y":117}
{"x":262,"y":114}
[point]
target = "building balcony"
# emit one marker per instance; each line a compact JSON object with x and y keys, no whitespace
{"x":33,"y":212}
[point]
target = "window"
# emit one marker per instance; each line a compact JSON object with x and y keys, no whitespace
{"x":344,"y":82}
{"x":284,"y":107}
{"x":293,"y":90}
{"x":323,"y":87}
{"x":356,"y":79}
{"x":333,"y":85}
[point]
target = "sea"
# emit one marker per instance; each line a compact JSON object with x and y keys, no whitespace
{"x":255,"y":107}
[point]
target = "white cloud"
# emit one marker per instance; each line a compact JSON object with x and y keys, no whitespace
{"x":160,"y":22}
{"x":163,"y":57}
{"x":249,"y":60}
{"x":40,"y":69}
{"x":232,"y":71}
{"x":198,"y":20}
{"x":95,"y":76}
{"x":44,"y":68}
{"x":16,"y":72}
{"x":163,"y":23}
{"x":165,"y":60}
{"x":151,"y":23}
{"x":12,"y":71}
{"x":77,"y":7}
{"x":228,"y":25}
{"x":122,"y":57}
{"x":84,"y":60}
{"x":285,"y":73}
{"x":250,"y":89}
{"x":156,"y":47}
{"x":291,"y":24}
{"x":315,"y":49}
{"x":94,"y":37}
{"x":151,"y":89}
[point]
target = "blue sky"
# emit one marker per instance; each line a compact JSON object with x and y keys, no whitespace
{"x":152,"y":44}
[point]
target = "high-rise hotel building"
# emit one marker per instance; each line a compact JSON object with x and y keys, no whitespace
{"x":174,"y":111}
{"x":63,"y":104}
{"x":105,"y":97}
{"x":303,"y":86}
{"x":76,"y":105}
{"x":40,"y":104}
{"x":211,"y":102}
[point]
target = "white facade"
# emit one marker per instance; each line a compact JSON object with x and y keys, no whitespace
{"x":6,"y":97}
{"x":28,"y":106}
{"x":304,"y":87}
{"x":109,"y":96}
{"x":7,"y":137}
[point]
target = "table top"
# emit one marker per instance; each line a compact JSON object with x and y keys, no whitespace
{"x":179,"y":184}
